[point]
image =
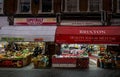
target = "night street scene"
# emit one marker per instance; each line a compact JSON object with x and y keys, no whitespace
{"x":59,"y":38}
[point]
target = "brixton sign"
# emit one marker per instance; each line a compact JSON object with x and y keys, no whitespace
{"x":92,"y":31}
{"x":94,"y":35}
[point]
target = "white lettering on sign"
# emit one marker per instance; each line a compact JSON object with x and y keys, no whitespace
{"x":34,"y":21}
{"x":92,"y":32}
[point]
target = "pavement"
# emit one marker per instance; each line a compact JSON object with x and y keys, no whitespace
{"x":29,"y":71}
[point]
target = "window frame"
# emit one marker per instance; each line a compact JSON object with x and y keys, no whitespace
{"x":18,"y":8}
{"x":118,"y":8}
{"x":40,"y":9}
{"x":65,"y":7}
{"x":2,"y":7}
{"x":100,"y":6}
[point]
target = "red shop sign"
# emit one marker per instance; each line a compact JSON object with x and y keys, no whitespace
{"x":95,"y":35}
{"x":34,"y":21}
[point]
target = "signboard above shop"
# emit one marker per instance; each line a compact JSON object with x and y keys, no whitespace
{"x":34,"y":21}
{"x":94,"y":35}
{"x":80,"y":22}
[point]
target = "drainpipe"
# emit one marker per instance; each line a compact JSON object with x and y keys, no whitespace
{"x":58,"y":16}
{"x":11,"y":20}
{"x":105,"y":18}
{"x":102,"y":18}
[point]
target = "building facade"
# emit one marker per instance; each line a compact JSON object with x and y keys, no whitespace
{"x":115,"y":15}
{"x":59,"y":13}
{"x":100,"y":11}
{"x":87,"y":21}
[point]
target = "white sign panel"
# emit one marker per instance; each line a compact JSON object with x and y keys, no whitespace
{"x":115,"y":22}
{"x":80,"y":23}
{"x":34,"y":21}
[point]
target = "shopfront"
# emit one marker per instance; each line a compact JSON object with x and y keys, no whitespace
{"x":80,"y":43}
{"x":20,"y":54}
{"x":20,"y":46}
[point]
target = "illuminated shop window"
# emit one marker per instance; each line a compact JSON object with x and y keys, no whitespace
{"x":71,"y":6}
{"x":24,"y":6}
{"x":1,"y":6}
{"x":95,"y":5}
{"x":46,"y":6}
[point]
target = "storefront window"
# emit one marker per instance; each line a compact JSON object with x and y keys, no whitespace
{"x":118,"y":6}
{"x":46,"y":6}
{"x":1,"y":6}
{"x":94,"y":5}
{"x":24,"y":6}
{"x":71,"y":6}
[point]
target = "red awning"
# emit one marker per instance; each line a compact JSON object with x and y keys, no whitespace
{"x":92,"y":35}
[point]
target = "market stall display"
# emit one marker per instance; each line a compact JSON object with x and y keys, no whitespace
{"x":19,"y":54}
{"x":13,"y":56}
{"x":72,"y":56}
{"x":109,"y":58}
{"x":40,"y":58}
{"x":41,"y":61}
